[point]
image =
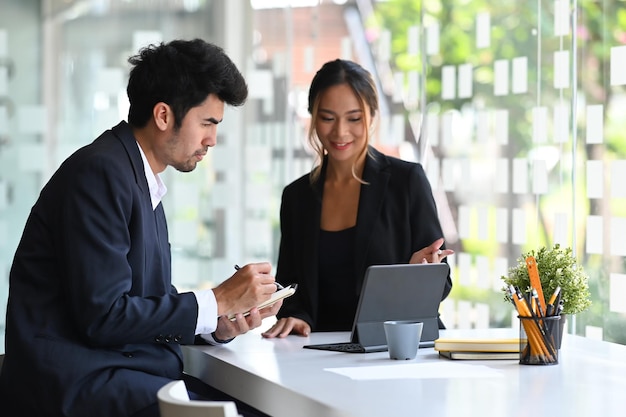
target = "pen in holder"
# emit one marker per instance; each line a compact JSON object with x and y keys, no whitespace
{"x":538,"y":340}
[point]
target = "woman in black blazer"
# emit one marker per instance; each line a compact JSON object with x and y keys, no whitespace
{"x":358,"y":207}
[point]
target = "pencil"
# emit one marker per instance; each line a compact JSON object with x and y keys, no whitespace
{"x":550,"y":310}
{"x":536,"y":335}
{"x":535,"y":281}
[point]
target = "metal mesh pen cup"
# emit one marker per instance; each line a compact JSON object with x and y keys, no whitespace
{"x":539,"y":340}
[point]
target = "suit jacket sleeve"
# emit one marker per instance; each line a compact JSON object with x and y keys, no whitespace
{"x":425,"y":225}
{"x":116,"y":267}
{"x":297,"y":254}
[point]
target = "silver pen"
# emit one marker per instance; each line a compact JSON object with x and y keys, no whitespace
{"x":278,"y":286}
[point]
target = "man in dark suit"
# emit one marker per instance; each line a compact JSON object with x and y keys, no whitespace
{"x":94,"y":325}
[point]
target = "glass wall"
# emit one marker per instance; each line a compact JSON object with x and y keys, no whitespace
{"x":517,"y":119}
{"x":512,"y":107}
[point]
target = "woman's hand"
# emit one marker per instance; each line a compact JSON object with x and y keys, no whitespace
{"x":431,"y":253}
{"x":286,"y":326}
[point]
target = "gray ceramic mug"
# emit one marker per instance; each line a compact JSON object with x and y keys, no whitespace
{"x":403,"y":338}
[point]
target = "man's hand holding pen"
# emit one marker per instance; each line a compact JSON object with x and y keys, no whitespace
{"x":249,"y":286}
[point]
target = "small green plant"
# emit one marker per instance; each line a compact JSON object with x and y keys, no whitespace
{"x":557,"y":268}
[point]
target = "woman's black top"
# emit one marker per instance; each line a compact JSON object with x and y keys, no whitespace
{"x":337,"y":299}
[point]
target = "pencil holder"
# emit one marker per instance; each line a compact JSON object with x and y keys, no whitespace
{"x":538,"y":340}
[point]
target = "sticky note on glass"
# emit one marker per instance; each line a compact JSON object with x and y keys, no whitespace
{"x":618,"y":63}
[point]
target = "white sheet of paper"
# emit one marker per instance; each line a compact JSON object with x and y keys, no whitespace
{"x":618,"y":173}
{"x":519,"y":227}
{"x":618,"y":63}
{"x":421,"y":370}
{"x":561,"y":69}
{"x":595,"y":179}
{"x":618,"y":236}
{"x":448,"y":82}
{"x":540,"y":123}
{"x":595,"y":123}
{"x":520,"y":75}
{"x":594,"y":235}
{"x":501,"y":77}
{"x":483,"y":30}
{"x":561,"y":123}
{"x":466,"y":79}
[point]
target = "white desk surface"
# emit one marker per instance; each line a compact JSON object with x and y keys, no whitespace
{"x":280,"y":378}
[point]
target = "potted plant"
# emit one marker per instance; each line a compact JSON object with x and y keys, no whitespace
{"x":557,"y":267}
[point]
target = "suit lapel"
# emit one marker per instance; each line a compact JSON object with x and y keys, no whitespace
{"x":124,"y":133}
{"x":312,"y":208}
{"x":370,"y":205}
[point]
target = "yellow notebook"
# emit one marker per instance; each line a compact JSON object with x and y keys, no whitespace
{"x":477,"y":345}
{"x":480,"y":356}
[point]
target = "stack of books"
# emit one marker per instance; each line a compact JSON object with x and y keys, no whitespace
{"x":478,"y":349}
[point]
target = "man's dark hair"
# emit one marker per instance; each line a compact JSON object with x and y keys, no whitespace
{"x":182,"y":74}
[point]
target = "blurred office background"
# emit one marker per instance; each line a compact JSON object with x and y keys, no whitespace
{"x":515,"y":109}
